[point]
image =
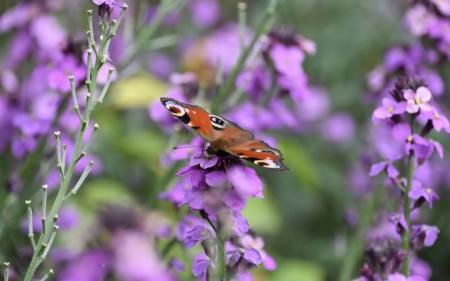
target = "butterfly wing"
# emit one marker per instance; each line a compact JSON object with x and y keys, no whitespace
{"x":194,"y":117}
{"x":259,"y":153}
{"x":241,"y":143}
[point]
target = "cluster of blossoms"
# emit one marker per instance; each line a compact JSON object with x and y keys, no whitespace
{"x":430,"y":21}
{"x":216,"y":189}
{"x":407,"y":117}
{"x":34,"y":97}
{"x":127,"y":249}
{"x":272,"y":85}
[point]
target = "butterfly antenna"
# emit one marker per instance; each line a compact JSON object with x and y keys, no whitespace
{"x":185,"y":147}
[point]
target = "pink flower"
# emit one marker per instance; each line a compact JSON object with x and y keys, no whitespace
{"x":440,"y":122}
{"x":418,"y":100}
{"x":389,"y":108}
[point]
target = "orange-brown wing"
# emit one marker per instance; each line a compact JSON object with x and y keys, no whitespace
{"x":259,"y":153}
{"x":194,"y":117}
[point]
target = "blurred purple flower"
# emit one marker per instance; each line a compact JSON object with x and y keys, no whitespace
{"x":245,"y":181}
{"x":136,"y":260}
{"x":257,"y":243}
{"x":443,"y":6}
{"x":48,"y":33}
{"x":90,"y":266}
{"x":400,"y":277}
{"x":339,"y":128}
{"x":418,"y":20}
{"x":17,"y":16}
{"x":255,"y":82}
{"x":161,"y":65}
{"x":200,"y":266}
{"x":204,"y":13}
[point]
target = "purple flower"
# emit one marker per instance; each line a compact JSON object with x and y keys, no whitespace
{"x":205,"y":13}
{"x":419,"y":192}
{"x":200,"y":158}
{"x":200,"y":266}
{"x":65,"y":66}
{"x":389,"y":108}
{"x":135,"y":259}
{"x":90,"y":266}
{"x":439,"y":121}
{"x":400,"y":277}
{"x":245,"y":181}
{"x":161,"y":65}
{"x":255,"y":82}
{"x":386,"y":166}
{"x":317,"y":105}
{"x":257,"y":243}
{"x":48,"y":33}
{"x":425,"y":235}
{"x":17,"y":16}
{"x":443,"y":6}
{"x":418,"y":100}
{"x":418,"y":20}
{"x":338,"y":128}
{"x":287,"y":59}
{"x":192,"y":230}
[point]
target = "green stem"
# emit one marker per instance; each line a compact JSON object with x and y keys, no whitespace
{"x":230,"y":82}
{"x":355,"y":251}
{"x":221,"y":267}
{"x":407,"y":215}
{"x":48,"y":234}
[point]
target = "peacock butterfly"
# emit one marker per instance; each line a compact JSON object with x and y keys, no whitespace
{"x":225,"y":136}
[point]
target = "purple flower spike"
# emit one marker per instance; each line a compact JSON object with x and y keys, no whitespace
{"x":418,"y":100}
{"x":418,"y":191}
{"x":389,"y":108}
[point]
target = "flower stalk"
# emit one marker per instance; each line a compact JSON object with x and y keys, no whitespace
{"x":6,"y":271}
{"x":407,"y":214}
{"x":50,"y":229}
{"x":262,"y":27}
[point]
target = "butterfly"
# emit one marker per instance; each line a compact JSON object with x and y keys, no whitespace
{"x":225,"y":136}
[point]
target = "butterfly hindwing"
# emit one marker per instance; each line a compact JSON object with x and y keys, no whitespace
{"x":259,"y":153}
